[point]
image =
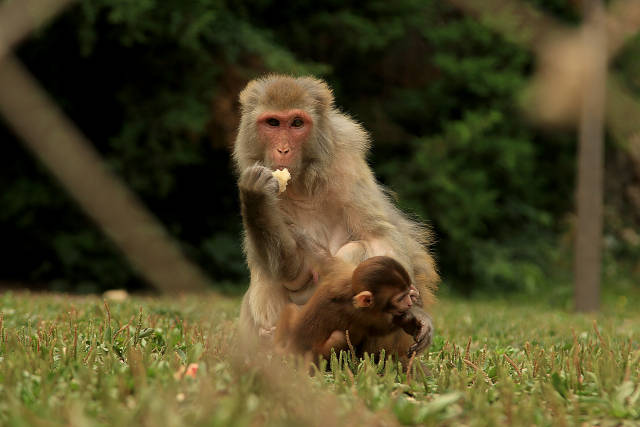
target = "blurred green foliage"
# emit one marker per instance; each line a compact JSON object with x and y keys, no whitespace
{"x":148,"y":82}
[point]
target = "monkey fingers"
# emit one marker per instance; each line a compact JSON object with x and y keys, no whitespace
{"x":408,"y":322}
{"x":424,"y":333}
{"x":414,"y":294}
{"x":258,"y":179}
{"x":267,"y":333}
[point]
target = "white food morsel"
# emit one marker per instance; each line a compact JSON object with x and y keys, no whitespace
{"x":283,"y":176}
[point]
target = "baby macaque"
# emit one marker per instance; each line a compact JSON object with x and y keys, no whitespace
{"x":372,"y":300}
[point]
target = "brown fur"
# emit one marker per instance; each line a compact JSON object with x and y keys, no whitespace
{"x":310,"y":329}
{"x":332,"y":204}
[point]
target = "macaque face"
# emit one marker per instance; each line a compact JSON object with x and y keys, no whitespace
{"x":398,"y":303}
{"x":401,"y":302}
{"x":283,"y":133}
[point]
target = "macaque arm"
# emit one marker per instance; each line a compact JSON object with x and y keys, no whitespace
{"x":262,"y":305}
{"x":306,"y":274}
{"x":337,"y":340}
{"x":408,"y":323}
{"x":418,"y":324}
{"x":269,"y":238}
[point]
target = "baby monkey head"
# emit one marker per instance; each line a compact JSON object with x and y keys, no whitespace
{"x":382,"y":284}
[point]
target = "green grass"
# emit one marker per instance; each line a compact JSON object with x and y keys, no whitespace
{"x":67,"y":361}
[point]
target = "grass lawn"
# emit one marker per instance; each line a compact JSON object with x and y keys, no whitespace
{"x":69,"y":361}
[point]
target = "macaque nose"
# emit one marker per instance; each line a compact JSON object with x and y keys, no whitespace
{"x":283,"y":150}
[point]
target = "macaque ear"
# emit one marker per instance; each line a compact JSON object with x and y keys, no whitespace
{"x":250,"y":95}
{"x":319,"y":91}
{"x":363,"y":299}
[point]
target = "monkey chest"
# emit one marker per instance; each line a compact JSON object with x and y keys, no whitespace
{"x":325,"y":226}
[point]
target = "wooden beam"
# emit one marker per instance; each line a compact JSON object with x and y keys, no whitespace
{"x":18,"y":18}
{"x":517,"y":21}
{"x":73,"y":160}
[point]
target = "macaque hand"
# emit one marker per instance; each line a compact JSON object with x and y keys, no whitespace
{"x":267,"y":334}
{"x":418,"y":323}
{"x":414,"y":294}
{"x":257,"y":180}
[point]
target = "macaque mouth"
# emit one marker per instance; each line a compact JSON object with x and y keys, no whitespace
{"x":283,"y":167}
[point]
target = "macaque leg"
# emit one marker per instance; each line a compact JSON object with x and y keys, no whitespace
{"x":247,"y":326}
{"x":260,"y":311}
{"x":308,"y":272}
{"x":337,"y":340}
{"x":303,"y":287}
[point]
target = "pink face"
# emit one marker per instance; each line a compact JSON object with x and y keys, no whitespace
{"x":283,"y":133}
{"x":401,"y":302}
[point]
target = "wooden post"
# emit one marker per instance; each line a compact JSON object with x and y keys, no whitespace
{"x":19,"y":18}
{"x":588,"y":243}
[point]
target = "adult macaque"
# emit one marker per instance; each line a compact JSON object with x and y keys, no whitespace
{"x":332,"y":203}
{"x":371,"y":300}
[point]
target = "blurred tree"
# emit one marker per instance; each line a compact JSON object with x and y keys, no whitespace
{"x":154,"y":85}
{"x":569,"y":87}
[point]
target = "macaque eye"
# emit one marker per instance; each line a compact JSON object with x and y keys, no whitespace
{"x":401,"y":297}
{"x":297,"y":122}
{"x":273,"y":122}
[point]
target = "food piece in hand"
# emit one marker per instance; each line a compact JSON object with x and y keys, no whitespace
{"x":283,"y":176}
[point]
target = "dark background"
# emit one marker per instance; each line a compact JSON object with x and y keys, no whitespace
{"x":154,"y":86}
